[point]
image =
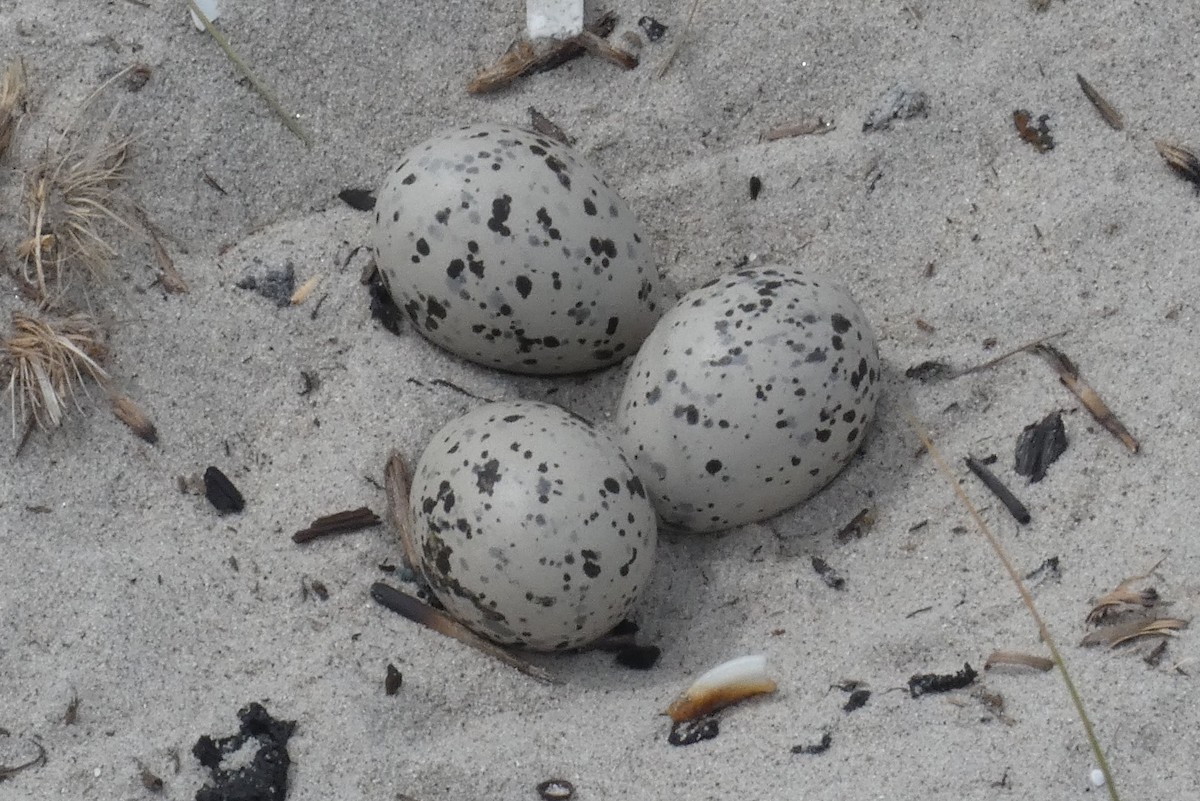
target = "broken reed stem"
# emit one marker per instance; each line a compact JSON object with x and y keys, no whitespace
{"x":1043,"y":629}
{"x":263,"y":90}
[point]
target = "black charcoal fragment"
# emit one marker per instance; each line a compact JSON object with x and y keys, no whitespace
{"x":1039,"y":446}
{"x":358,"y":199}
{"x":925,"y":683}
{"x":690,"y":732}
{"x":815,"y":748}
{"x":221,"y":493}
{"x":264,"y":776}
{"x":653,"y":28}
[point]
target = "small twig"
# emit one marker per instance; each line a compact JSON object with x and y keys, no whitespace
{"x":798,"y":129}
{"x":418,"y":612}
{"x":1020,"y":659}
{"x":1110,"y":114}
{"x":259,"y":86}
{"x":396,"y":483}
{"x":1003,"y":493}
{"x":1004,"y":356}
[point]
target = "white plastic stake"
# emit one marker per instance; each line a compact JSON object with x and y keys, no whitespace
{"x":553,"y":19}
{"x":210,"y":9}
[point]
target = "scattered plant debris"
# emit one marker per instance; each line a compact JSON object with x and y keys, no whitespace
{"x":523,"y":58}
{"x":1180,"y":159}
{"x":543,"y":125}
{"x":899,"y":102}
{"x":858,"y":525}
{"x":690,"y":732}
{"x":831,"y":577}
{"x":1002,"y":493}
{"x":418,"y":612}
{"x":393,"y":680}
{"x":169,"y":276}
{"x":1039,"y":445}
{"x":1039,"y":135}
{"x":338,"y":523}
{"x":1110,"y":114}
{"x":137,"y":77}
{"x":679,"y":40}
{"x":1019,"y":659}
{"x":221,"y":493}
{"x":653,"y":28}
{"x":790,"y":130}
{"x":819,"y":747}
{"x":358,"y":199}
{"x":132,"y":415}
{"x":1068,"y":374}
{"x":556,"y":790}
{"x":926,"y":683}
{"x":264,"y":778}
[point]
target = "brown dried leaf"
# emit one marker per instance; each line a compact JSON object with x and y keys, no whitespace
{"x":1112,"y":636}
{"x":1123,"y":598}
{"x":1018,"y":658}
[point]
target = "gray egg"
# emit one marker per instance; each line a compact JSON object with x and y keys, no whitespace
{"x":508,"y":249}
{"x":530,"y":526}
{"x":749,"y":396}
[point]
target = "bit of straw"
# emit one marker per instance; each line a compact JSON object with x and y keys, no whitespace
{"x":1026,"y":597}
{"x":12,"y":102}
{"x":1068,"y":374}
{"x":263,"y":90}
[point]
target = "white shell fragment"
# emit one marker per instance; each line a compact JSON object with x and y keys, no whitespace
{"x":748,"y":397}
{"x":530,"y":526}
{"x":508,"y":249}
{"x":727,"y":683}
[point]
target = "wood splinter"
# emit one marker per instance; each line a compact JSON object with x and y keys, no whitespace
{"x":338,"y":523}
{"x":413,"y":609}
{"x":1002,"y":493}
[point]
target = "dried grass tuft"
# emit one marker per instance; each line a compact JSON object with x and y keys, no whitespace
{"x":48,"y":362}
{"x":71,"y":197}
{"x":12,"y":102}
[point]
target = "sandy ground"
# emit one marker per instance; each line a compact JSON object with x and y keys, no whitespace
{"x":163,"y":618}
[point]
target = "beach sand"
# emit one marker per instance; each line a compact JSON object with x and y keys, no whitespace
{"x":163,"y":618}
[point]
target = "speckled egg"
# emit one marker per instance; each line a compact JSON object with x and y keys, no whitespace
{"x":530,"y":525}
{"x":508,"y":249}
{"x":749,"y":396}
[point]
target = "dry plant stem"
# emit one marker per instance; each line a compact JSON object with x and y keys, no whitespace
{"x":1043,"y":629}
{"x":259,"y":86}
{"x":687,"y":26}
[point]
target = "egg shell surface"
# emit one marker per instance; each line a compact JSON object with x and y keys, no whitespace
{"x":530,"y":526}
{"x":749,"y":396}
{"x":508,"y":249}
